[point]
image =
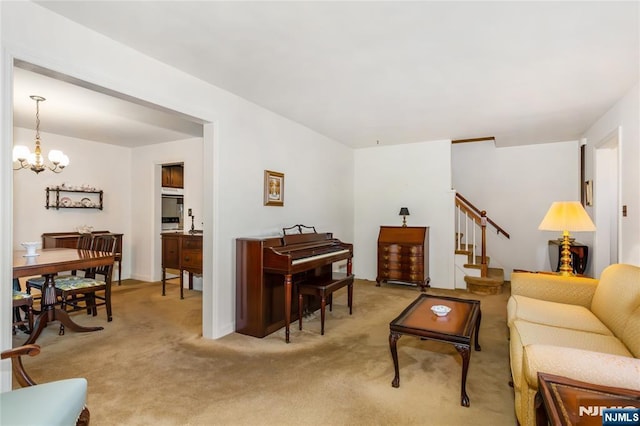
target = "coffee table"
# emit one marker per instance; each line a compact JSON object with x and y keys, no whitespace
{"x":456,"y":328}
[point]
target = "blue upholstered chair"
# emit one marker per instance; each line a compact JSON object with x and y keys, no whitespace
{"x":57,"y":403}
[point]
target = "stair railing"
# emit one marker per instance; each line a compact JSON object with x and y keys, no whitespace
{"x":469,"y":215}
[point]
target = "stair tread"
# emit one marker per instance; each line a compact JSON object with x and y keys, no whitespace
{"x":495,"y":277}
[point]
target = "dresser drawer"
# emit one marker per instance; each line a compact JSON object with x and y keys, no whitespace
{"x":389,"y":249}
{"x":390,"y":257}
{"x":192,"y":243}
{"x":389,"y":266}
{"x":391,"y":274}
{"x":191,"y":259}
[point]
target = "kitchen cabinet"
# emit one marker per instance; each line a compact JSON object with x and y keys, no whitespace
{"x":173,"y":176}
{"x":403,"y":255}
{"x":183,"y":252}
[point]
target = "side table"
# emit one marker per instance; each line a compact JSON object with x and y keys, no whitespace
{"x":458,"y":328}
{"x":564,"y":402}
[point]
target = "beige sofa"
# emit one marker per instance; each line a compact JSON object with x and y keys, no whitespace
{"x":576,"y":327}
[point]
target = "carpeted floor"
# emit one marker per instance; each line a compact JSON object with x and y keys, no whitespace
{"x":150,"y":366}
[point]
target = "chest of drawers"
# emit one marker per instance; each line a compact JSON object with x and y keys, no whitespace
{"x":403,"y":255}
{"x":183,"y":252}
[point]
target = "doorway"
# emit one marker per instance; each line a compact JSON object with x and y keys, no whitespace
{"x":606,"y":199}
{"x":27,"y":75}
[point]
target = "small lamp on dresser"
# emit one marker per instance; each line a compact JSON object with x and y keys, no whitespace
{"x":404,"y":212}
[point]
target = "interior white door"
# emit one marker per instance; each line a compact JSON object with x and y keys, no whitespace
{"x":606,"y":200}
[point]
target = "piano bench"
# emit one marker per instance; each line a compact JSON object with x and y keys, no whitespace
{"x":324,"y":289}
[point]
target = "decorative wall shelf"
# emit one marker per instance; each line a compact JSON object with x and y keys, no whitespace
{"x":73,"y":198}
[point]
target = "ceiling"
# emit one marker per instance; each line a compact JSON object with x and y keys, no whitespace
{"x":365,"y":73}
{"x":90,"y":113}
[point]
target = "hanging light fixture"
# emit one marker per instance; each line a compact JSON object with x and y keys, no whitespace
{"x":34,"y":160}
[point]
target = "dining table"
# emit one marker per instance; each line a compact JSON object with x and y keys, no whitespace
{"x":48,"y":263}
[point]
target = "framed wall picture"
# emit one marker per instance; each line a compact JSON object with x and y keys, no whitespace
{"x":273,"y":188}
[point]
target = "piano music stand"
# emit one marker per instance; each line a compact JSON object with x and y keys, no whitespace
{"x":300,"y":230}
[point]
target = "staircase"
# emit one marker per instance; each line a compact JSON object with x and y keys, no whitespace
{"x":472,"y":267}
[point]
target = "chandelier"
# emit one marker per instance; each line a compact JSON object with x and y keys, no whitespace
{"x":34,"y":160}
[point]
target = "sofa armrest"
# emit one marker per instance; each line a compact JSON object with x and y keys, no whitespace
{"x":587,"y":366}
{"x":554,"y":288}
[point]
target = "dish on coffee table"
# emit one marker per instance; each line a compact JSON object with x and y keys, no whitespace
{"x":440,"y":310}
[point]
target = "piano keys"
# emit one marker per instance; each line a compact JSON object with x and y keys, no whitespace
{"x":267,"y":270}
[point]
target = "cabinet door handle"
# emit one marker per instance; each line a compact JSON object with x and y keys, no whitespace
{"x":187,"y":258}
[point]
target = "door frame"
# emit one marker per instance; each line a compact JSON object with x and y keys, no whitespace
{"x":607,"y":195}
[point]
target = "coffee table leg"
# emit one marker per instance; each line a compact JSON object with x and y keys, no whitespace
{"x":393,"y":340}
{"x":477,"y":345}
{"x":466,"y":354}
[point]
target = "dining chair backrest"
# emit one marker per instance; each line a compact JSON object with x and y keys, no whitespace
{"x":107,"y":244}
{"x":85,"y":242}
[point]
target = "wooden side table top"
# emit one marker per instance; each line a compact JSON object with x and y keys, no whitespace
{"x":566,"y":401}
{"x":457,"y":327}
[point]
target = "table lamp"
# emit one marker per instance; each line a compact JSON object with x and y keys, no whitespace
{"x":566,"y":216}
{"x":404,"y":212}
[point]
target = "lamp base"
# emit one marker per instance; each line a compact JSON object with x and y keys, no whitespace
{"x":565,"y":257}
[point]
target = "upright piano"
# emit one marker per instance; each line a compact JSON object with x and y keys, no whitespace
{"x":267,"y":269}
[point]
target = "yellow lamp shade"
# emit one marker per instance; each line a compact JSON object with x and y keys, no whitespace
{"x":567,"y":216}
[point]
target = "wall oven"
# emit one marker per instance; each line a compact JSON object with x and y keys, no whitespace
{"x":172,"y":212}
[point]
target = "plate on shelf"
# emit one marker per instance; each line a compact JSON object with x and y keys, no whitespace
{"x":86,"y":202}
{"x":65,"y":201}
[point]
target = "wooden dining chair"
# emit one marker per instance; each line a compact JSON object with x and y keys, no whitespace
{"x":87,"y":291}
{"x":22,"y":302}
{"x":85,"y":242}
{"x":91,"y":290}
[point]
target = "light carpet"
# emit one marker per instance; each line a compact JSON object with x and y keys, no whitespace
{"x":151,"y":366}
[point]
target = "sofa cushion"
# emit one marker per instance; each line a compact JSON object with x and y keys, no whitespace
{"x":524,"y":333}
{"x":530,"y":333}
{"x":538,"y":311}
{"x":56,"y":403}
{"x":587,"y":366}
{"x":617,"y":296}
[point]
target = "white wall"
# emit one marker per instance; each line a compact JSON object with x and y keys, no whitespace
{"x":241,"y":140}
{"x":103,"y":166}
{"x":145,"y":201}
{"x":516,"y":187}
{"x":417,"y":176}
{"x":625,"y":114}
